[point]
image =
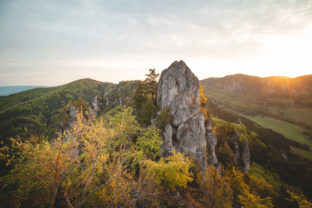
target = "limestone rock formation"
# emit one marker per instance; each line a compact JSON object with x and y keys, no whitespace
{"x":246,"y":157}
{"x":235,"y":137}
{"x":95,"y":103}
{"x":211,"y":140}
{"x":242,"y":152}
{"x":72,"y":115}
{"x":178,"y":89}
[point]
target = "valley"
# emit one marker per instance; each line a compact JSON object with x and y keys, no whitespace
{"x":279,"y":103}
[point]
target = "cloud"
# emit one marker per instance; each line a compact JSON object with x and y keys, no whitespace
{"x":45,"y":33}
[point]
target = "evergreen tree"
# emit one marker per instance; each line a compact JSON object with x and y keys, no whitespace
{"x":145,"y":98}
{"x":151,"y":83}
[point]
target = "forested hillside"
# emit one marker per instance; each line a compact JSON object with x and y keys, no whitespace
{"x":254,"y":95}
{"x":280,"y":103}
{"x":112,"y":155}
{"x":35,"y":111}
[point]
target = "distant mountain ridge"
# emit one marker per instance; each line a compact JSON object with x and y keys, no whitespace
{"x":253,"y":95}
{"x":8,"y":90}
{"x":266,"y":86}
{"x":282,"y":104}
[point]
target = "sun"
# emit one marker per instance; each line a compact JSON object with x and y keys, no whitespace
{"x":290,"y":55}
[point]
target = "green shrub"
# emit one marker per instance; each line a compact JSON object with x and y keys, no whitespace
{"x":150,"y":142}
{"x":164,"y":118}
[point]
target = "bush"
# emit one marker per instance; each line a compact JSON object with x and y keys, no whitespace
{"x":172,"y":172}
{"x":164,"y":118}
{"x":150,"y":142}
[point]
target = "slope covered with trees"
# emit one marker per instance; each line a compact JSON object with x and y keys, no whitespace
{"x":113,"y":162}
{"x":280,"y":103}
{"x":115,"y":159}
{"x":35,"y":111}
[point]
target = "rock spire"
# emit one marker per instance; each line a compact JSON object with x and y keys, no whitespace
{"x":179,"y":91}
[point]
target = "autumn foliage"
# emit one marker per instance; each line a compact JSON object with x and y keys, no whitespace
{"x":112,"y":161}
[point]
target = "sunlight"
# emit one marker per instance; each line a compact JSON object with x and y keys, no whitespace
{"x":290,"y":55}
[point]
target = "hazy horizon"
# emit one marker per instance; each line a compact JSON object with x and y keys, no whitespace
{"x":37,"y":86}
{"x":49,"y":43}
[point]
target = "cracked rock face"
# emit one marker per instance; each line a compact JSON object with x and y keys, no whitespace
{"x":178,"y":89}
{"x":246,"y":156}
{"x":72,"y":114}
{"x":242,"y":153}
{"x":211,"y":145}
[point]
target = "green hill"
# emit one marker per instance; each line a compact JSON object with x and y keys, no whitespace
{"x":289,"y":160}
{"x":280,"y":103}
{"x":255,"y":95}
{"x":35,"y":110}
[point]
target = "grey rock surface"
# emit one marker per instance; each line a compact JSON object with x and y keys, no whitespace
{"x":211,"y":140}
{"x":236,"y":152}
{"x":235,"y":137}
{"x":95,"y":103}
{"x":178,"y":89}
{"x":242,"y":152}
{"x":246,"y":157}
{"x":95,"y":107}
{"x":72,"y":114}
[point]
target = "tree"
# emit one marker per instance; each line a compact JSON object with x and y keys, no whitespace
{"x":300,"y":199}
{"x":216,"y":190}
{"x":242,"y":193}
{"x":260,"y":186}
{"x":145,"y":98}
{"x":172,"y":172}
{"x":147,"y":112}
{"x":122,"y":120}
{"x":139,"y":97}
{"x":203,"y":101}
{"x":164,"y":118}
{"x":151,"y":83}
{"x":81,"y":162}
{"x":225,"y":155}
{"x":38,"y":171}
{"x":150,"y":142}
{"x":64,"y":116}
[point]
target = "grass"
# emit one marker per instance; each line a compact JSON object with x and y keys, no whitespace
{"x":303,"y":153}
{"x":290,"y":131}
{"x":296,"y":114}
{"x":299,"y":114}
{"x":235,"y":102}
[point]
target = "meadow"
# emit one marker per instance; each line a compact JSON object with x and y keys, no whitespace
{"x":290,"y":131}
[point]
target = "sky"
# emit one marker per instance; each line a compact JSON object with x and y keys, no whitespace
{"x":50,"y":43}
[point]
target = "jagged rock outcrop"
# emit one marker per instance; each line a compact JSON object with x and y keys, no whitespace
{"x":120,"y":94}
{"x":241,"y":152}
{"x":245,"y":157}
{"x":93,"y":110}
{"x":178,"y":89}
{"x":211,"y":140}
{"x":95,"y":104}
{"x":236,"y":151}
{"x":72,"y":115}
